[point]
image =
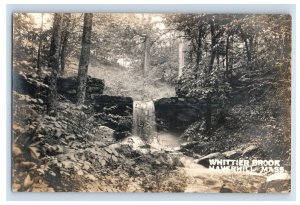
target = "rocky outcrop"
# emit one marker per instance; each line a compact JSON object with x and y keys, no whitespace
{"x":116,"y":122}
{"x":176,"y":114}
{"x":29,"y":85}
{"x":116,"y":105}
{"x":67,"y":86}
{"x":115,"y":112}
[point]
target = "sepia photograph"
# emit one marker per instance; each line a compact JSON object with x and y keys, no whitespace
{"x":151,"y":102}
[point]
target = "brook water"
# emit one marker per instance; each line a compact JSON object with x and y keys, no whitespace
{"x":200,"y":179}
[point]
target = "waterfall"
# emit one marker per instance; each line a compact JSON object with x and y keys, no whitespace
{"x":144,"y":124}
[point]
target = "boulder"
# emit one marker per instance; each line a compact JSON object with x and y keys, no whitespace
{"x":276,"y":183}
{"x":22,"y":85}
{"x":232,"y":154}
{"x":278,"y":176}
{"x":248,"y":151}
{"x":177,"y":162}
{"x":189,"y":145}
{"x":28,"y":85}
{"x":205,"y":160}
{"x":225,"y":189}
{"x":106,"y":133}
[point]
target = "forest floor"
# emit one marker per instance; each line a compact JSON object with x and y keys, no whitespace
{"x":126,"y":82}
{"x":74,"y":152}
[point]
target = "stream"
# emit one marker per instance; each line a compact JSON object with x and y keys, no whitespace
{"x":200,"y":178}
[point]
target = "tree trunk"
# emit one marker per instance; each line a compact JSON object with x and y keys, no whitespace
{"x":212,"y":48}
{"x":218,"y":60}
{"x":226,"y":55}
{"x":210,"y":68}
{"x":40,"y":46}
{"x":146,"y":56}
{"x":54,"y":63}
{"x":248,"y":52}
{"x":181,"y":58}
{"x":208,"y":97}
{"x":211,"y":61}
{"x":64,"y":43}
{"x":199,"y":53}
{"x":190,"y":56}
{"x":32,"y":49}
{"x":208,"y":113}
{"x":248,"y":46}
{"x":84,"y":57}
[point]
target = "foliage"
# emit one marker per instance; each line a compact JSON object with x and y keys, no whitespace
{"x":120,"y":38}
{"x":73,"y":152}
{"x":27,"y":36}
{"x":239,"y":64}
{"x":253,"y":87}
